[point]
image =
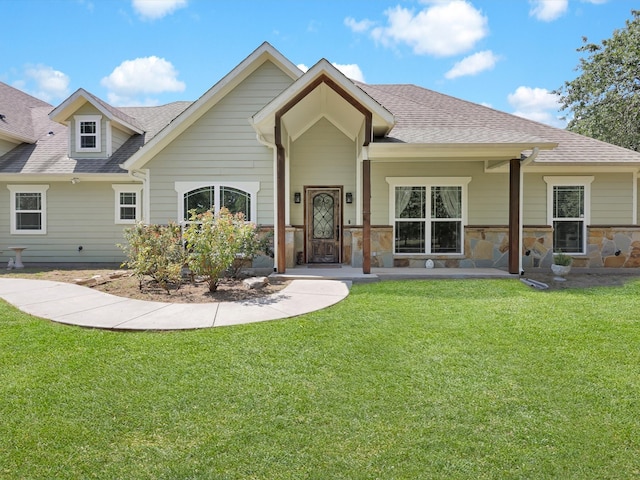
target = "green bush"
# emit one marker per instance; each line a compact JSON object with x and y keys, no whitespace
{"x":155,"y":251}
{"x":216,"y":242}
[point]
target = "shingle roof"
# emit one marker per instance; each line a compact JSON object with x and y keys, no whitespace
{"x":21,"y":114}
{"x":425,"y":116}
{"x":48,"y":155}
{"x":422,"y":116}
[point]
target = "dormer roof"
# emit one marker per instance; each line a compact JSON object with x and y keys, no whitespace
{"x":66,"y":109}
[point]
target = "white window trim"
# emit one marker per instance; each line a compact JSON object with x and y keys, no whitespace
{"x":89,"y":118}
{"x":252,"y":188}
{"x":137,"y":189}
{"x":428,"y":182}
{"x":42,"y":190}
{"x":568,"y":181}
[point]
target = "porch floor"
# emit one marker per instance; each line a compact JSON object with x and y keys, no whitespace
{"x":354,"y":274}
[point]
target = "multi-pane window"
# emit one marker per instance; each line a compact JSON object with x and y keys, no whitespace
{"x":28,"y":209}
{"x":127,"y":203}
{"x":568,"y":199}
{"x":428,"y":218}
{"x":237,"y":197}
{"x":568,"y":218}
{"x":88,"y":133}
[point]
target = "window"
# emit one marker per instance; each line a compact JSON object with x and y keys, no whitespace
{"x":127,"y":203}
{"x":567,"y":211}
{"x":28,"y":205}
{"x":88,"y":138}
{"x":428,"y":214}
{"x":235,"y":196}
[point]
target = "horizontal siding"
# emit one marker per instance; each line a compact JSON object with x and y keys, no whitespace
{"x":488,"y":202}
{"x":323,"y":156}
{"x":6,"y":146}
{"x":77,"y":215}
{"x":88,"y":109}
{"x":611,"y":199}
{"x":221,"y":146}
{"x":118,"y":138}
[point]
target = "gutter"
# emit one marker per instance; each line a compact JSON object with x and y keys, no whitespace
{"x":143,"y":176}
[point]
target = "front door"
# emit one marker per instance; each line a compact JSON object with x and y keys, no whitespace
{"x":323,"y":224}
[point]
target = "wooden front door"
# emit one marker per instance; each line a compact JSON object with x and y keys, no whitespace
{"x":323,"y":223}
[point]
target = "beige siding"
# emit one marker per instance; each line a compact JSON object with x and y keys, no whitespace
{"x":118,"y":137}
{"x":6,"y":146}
{"x":323,"y":156}
{"x":77,"y":215}
{"x":88,"y":109}
{"x":611,"y":199}
{"x":221,"y":146}
{"x":534,"y":194}
{"x":488,"y":202}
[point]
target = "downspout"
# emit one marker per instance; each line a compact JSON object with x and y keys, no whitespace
{"x":523,"y":163}
{"x":143,"y":176}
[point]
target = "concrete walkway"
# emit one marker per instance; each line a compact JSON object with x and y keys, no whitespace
{"x":83,"y":306}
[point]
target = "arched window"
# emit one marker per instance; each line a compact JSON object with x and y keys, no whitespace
{"x":235,"y":196}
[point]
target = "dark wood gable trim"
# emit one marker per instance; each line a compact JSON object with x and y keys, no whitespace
{"x":280,"y":169}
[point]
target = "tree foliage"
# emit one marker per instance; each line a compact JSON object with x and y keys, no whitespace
{"x":605,"y":97}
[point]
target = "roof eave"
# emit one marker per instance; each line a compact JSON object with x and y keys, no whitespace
{"x":65,"y":110}
{"x":263,"y":53}
{"x":434,"y":151}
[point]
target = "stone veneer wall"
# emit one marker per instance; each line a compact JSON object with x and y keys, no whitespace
{"x":487,"y":247}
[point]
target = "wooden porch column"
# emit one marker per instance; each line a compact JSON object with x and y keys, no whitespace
{"x":366,"y":216}
{"x":514,"y":216}
{"x":280,"y":220}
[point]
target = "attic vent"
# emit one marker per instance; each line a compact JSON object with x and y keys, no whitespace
{"x":50,"y":133}
{"x":2,"y":116}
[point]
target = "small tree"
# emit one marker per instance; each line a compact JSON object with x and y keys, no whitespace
{"x":156,"y":251}
{"x":214,"y":242}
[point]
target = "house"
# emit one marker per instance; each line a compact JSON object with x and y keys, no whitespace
{"x":343,"y":172}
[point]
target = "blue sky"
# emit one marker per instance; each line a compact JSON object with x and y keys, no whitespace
{"x":507,"y":54}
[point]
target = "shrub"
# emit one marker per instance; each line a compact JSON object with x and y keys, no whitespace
{"x":215,"y":242}
{"x":156,"y":251}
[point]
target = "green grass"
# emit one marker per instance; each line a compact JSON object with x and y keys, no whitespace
{"x":402,"y":380}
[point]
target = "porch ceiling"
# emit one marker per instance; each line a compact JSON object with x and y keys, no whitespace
{"x":321,"y":102}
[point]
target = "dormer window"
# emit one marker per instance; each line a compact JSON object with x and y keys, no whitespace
{"x":88,"y":133}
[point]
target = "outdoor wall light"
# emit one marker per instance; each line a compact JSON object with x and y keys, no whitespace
{"x":297,"y":198}
{"x":349,"y":197}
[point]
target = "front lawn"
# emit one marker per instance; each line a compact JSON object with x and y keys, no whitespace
{"x":402,"y":380}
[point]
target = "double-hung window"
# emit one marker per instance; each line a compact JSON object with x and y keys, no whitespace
{"x":428,"y":214}
{"x":88,"y":133}
{"x":28,"y":206}
{"x":237,"y":197}
{"x":128,"y":199}
{"x":568,"y":201}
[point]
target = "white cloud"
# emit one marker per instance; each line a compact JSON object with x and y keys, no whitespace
{"x":358,"y":27}
{"x":536,"y":104}
{"x":142,"y":76}
{"x":548,"y":10}
{"x":473,"y":64}
{"x":44,"y":83}
{"x":351,"y":70}
{"x":155,"y":9}
{"x":441,"y":29}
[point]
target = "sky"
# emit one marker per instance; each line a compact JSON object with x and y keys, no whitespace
{"x":506,"y":54}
